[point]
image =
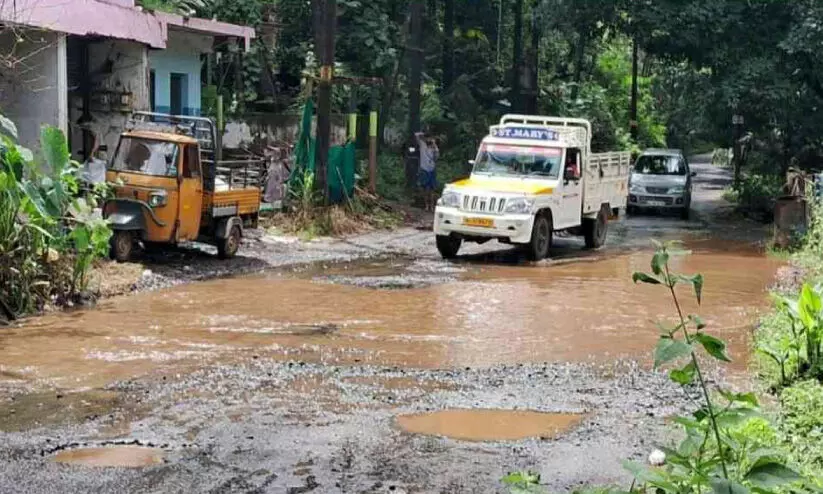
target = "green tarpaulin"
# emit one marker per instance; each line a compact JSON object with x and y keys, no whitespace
{"x":342,"y":160}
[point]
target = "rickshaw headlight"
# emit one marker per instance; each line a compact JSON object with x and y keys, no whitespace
{"x":158,"y":198}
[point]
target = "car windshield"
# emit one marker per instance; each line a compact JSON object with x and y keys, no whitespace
{"x":146,"y":156}
{"x":660,"y":165}
{"x":496,"y":159}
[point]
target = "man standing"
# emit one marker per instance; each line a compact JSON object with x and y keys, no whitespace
{"x":429,"y":153}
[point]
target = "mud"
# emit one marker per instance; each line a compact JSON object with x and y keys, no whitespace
{"x":489,"y":425}
{"x":116,"y":456}
{"x":292,"y":378}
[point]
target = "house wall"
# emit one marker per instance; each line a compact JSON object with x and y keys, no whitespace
{"x":119,"y":83}
{"x":33,"y":92}
{"x":182,"y":56}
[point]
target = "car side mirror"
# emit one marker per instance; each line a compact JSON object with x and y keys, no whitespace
{"x":570,"y":173}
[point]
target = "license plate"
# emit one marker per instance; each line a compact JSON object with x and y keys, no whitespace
{"x":656,"y":203}
{"x":481,"y":222}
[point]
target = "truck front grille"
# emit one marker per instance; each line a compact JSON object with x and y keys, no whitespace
{"x":483,"y":204}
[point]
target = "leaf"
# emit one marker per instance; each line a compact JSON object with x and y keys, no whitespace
{"x":724,"y":486}
{"x":697,"y":281}
{"x":748,"y":398}
{"x":8,"y":127}
{"x":698,"y":322}
{"x":713,"y":346}
{"x":767,"y":474}
{"x":683,"y":376}
{"x":645,"y":278}
{"x":646,"y":475}
{"x":659,"y":261}
{"x":55,"y":148}
{"x":669,"y":349}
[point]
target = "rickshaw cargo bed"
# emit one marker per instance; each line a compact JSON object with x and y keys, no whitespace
{"x":235,"y":202}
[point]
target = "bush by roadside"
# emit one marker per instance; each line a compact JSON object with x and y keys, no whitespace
{"x":49,"y":236}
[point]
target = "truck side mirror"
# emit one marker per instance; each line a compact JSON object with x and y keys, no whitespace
{"x":571,"y":172}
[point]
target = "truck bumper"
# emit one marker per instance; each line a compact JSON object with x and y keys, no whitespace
{"x":515,"y":228}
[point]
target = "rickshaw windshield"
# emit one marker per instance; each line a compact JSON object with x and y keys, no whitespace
{"x":146,"y":156}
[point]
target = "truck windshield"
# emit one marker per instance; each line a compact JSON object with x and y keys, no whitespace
{"x":660,"y":165}
{"x":497,"y":159}
{"x":146,"y":156}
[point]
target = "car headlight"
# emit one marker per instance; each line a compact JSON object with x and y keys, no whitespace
{"x":520,"y":205}
{"x":677,"y":190}
{"x":449,"y":199}
{"x":636,"y":189}
{"x":158,"y":198}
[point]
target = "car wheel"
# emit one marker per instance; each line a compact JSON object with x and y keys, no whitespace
{"x":448,"y":246}
{"x":122,"y":242}
{"x":541,"y":242}
{"x":596,"y":229}
{"x":228,"y":247}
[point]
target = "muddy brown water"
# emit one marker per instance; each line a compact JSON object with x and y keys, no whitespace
{"x":489,"y":425}
{"x":490,"y":314}
{"x":113,"y":456}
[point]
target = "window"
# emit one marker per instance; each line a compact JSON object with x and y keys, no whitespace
{"x":497,"y":159}
{"x":191,"y":163}
{"x":146,"y":156}
{"x":660,"y":165}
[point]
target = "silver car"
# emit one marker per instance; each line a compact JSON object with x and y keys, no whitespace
{"x":661,"y":179}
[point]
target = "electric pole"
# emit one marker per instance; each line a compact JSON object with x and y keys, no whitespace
{"x":328,"y":21}
{"x":417,"y":10}
{"x":633,"y":108}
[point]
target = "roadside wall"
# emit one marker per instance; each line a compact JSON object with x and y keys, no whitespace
{"x":270,"y":129}
{"x":30,"y":91}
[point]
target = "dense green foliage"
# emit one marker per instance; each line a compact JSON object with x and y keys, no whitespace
{"x":48,"y":236}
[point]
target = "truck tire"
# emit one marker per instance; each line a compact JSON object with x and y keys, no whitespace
{"x":228,"y":247}
{"x":595,"y":229}
{"x":120,"y":245}
{"x":448,"y":246}
{"x":541,"y":242}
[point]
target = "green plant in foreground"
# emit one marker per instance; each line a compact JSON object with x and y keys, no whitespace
{"x":718,"y":453}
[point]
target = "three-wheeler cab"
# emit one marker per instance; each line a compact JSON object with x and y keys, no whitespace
{"x":170,"y":186}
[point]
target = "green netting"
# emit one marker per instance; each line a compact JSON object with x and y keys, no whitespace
{"x":342,"y":161}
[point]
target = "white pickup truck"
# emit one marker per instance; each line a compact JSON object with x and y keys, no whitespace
{"x":533,"y":176}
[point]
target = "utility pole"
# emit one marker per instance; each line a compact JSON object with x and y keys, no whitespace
{"x":517,"y":58}
{"x":328,"y":18}
{"x":633,"y":108}
{"x":534,"y":63}
{"x":417,"y":10}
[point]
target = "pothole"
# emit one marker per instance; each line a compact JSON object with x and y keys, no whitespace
{"x":489,"y":425}
{"x":115,"y":456}
{"x":399,"y":282}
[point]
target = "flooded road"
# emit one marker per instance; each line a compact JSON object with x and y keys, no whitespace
{"x":395,"y":373}
{"x":464,"y":315}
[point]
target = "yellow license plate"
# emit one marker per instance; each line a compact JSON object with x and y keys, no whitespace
{"x":481,"y":222}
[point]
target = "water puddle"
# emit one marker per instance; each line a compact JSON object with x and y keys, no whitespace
{"x":115,"y":456}
{"x":489,"y":425}
{"x":488,"y":314}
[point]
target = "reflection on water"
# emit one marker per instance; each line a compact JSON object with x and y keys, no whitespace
{"x":491,"y":314}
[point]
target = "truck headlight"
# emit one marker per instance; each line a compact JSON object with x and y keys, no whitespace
{"x":519,"y":205}
{"x":636,"y":189}
{"x":677,"y":190}
{"x":158,"y":198}
{"x":449,"y":199}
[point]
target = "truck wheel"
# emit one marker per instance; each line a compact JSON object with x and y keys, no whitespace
{"x":541,"y":240}
{"x":228,"y":247}
{"x":122,"y":242}
{"x":595,"y":229}
{"x":448,"y":246}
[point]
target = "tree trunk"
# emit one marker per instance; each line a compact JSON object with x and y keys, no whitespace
{"x":579,"y":57}
{"x":517,"y":57}
{"x":633,"y":105}
{"x":324,"y":89}
{"x":417,"y":10}
{"x":448,"y":44}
